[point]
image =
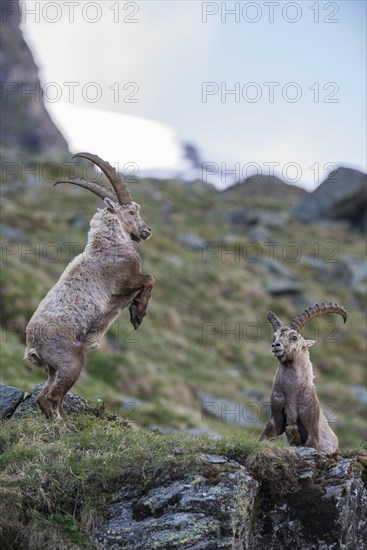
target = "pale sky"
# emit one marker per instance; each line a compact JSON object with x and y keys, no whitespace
{"x":296,"y":71}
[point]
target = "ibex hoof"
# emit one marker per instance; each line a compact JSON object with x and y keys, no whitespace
{"x":134,"y":316}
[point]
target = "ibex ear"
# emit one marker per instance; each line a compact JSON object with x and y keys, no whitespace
{"x":310,"y":343}
{"x":111,"y":205}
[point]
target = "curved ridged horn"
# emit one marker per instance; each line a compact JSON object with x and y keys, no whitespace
{"x":122,"y":191}
{"x":93,"y":186}
{"x":315,"y":311}
{"x":274,"y":320}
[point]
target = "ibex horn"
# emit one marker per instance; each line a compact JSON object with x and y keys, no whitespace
{"x":315,"y":311}
{"x":274,"y":320}
{"x":93,"y":186}
{"x":120,"y":187}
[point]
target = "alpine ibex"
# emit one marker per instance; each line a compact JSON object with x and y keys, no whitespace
{"x":294,"y":405}
{"x":93,"y":290}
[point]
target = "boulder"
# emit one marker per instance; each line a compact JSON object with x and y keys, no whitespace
{"x":71,"y":402}
{"x":190,"y":240}
{"x":342,"y":196}
{"x":299,"y":500}
{"x":12,"y":234}
{"x":279,"y":287}
{"x":194,"y":432}
{"x":195,"y":512}
{"x":234,"y":412}
{"x":359,"y":393}
{"x":351,"y":272}
{"x":10,"y":398}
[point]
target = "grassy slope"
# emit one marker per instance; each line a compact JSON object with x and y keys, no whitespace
{"x":166,"y":362}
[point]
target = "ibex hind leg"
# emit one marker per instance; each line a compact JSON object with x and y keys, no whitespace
{"x":293,"y":435}
{"x":311,"y":429}
{"x":42,"y":400}
{"x":63,"y":378}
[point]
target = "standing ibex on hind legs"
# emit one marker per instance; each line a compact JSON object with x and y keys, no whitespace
{"x":294,"y":405}
{"x":91,"y":293}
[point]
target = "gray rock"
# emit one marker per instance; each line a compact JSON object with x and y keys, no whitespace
{"x":202,"y":432}
{"x":190,"y":240}
{"x":12,"y":234}
{"x":278,"y":287}
{"x":193,"y":513}
{"x":151,"y":194}
{"x":254,"y":396}
{"x":305,"y":452}
{"x":360,"y":394}
{"x":274,"y":267}
{"x":341,"y":468}
{"x":194,"y":432}
{"x":273,"y":219}
{"x":71,"y":402}
{"x":215,"y":459}
{"x":259,"y":234}
{"x":234,"y":412}
{"x":10,"y":398}
{"x":350,"y":271}
{"x":321,"y":505}
{"x":168,"y":208}
{"x":280,"y":279}
{"x":342,"y":196}
{"x":243,"y":217}
{"x":174,"y":261}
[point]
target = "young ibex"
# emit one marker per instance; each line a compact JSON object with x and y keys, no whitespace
{"x":294,"y":406}
{"x":91,"y":293}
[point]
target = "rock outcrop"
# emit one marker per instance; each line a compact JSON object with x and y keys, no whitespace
{"x":10,"y":399}
{"x":319,"y":503}
{"x":342,"y":196}
{"x":195,"y":512}
{"x":26,"y":125}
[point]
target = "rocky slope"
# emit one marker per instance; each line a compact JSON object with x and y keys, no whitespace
{"x":342,"y":196}
{"x":26,"y":126}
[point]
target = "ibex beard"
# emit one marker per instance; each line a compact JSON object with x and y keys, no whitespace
{"x":294,"y":405}
{"x":92,"y":292}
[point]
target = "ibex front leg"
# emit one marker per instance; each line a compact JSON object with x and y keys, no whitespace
{"x":276,"y":425}
{"x":138,"y":307}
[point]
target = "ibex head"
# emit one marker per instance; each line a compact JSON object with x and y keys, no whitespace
{"x":129,"y":217}
{"x":119,"y":203}
{"x":288,"y":343}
